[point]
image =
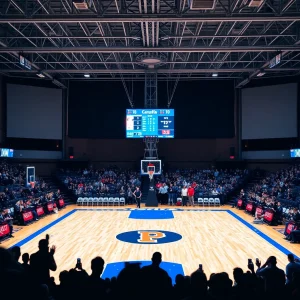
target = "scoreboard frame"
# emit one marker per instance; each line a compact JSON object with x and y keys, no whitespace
{"x":150,"y":122}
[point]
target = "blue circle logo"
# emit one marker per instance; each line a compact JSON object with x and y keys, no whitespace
{"x":149,"y":237}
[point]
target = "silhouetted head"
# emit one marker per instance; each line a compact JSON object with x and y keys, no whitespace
{"x":291,"y":257}
{"x":179,"y":279}
{"x":199,"y":283}
{"x":272,"y":261}
{"x":238,"y":274}
{"x":25,"y":258}
{"x":156,"y":258}
{"x":97,"y":265}
{"x":220,"y":285}
{"x":16,"y":252}
{"x":43,"y":245}
{"x":63,"y":277}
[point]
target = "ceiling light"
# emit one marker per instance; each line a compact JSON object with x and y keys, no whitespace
{"x":87,"y":75}
{"x":214,"y":75}
{"x":41,"y":75}
{"x":261,"y":73}
{"x":80,"y":4}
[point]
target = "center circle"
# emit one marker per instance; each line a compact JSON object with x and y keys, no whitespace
{"x":147,"y":237}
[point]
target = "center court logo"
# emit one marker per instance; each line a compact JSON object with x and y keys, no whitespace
{"x":152,"y":237}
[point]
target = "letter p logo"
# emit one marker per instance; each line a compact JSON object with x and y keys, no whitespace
{"x":150,"y":236}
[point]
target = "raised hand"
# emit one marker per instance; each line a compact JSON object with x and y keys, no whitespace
{"x":258,"y":263}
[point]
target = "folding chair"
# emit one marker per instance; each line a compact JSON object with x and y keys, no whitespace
{"x":110,"y":201}
{"x":217,"y":202}
{"x":95,"y":201}
{"x":100,"y":200}
{"x":91,"y":201}
{"x":122,"y":201}
{"x":79,"y":201}
{"x":200,"y":201}
{"x":117,"y":201}
{"x":105,"y":201}
{"x":85,"y":201}
{"x":211,"y":202}
{"x":205,"y":202}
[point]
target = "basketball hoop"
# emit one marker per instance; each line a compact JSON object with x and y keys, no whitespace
{"x":150,"y":170}
{"x":150,"y":173}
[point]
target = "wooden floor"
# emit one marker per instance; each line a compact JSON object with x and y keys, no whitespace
{"x":213,"y":238}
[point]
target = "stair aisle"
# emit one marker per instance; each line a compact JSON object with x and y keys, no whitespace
{"x":56,"y":184}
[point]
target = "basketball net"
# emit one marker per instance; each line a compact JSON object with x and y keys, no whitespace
{"x":150,"y":173}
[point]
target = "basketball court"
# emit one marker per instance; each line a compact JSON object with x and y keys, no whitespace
{"x":219,"y":239}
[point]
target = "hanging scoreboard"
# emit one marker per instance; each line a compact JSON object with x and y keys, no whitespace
{"x":142,"y":123}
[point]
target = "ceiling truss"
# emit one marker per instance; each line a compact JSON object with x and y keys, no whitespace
{"x":106,"y":40}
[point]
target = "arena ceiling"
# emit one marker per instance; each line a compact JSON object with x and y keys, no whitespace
{"x":120,"y":39}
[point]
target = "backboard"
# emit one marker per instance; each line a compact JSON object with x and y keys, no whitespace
{"x":150,"y":165}
{"x":30,"y":175}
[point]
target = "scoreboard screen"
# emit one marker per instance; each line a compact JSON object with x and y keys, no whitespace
{"x":146,"y":122}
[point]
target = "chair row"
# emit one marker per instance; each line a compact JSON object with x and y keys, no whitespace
{"x":101,"y":201}
{"x":206,"y":201}
{"x":209,"y":201}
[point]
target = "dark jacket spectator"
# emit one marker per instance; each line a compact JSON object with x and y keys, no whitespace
{"x":42,"y":262}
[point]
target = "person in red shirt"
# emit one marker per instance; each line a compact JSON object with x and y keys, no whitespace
{"x":191,"y":193}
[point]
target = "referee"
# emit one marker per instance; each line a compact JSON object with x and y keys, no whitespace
{"x":137,"y":195}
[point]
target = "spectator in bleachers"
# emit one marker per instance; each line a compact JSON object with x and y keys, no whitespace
{"x":148,"y":282}
{"x":191,"y":193}
{"x":43,"y":261}
{"x":25,"y":264}
{"x":275,"y":192}
{"x":153,"y":275}
{"x":274,"y":278}
{"x":96,"y":285}
{"x":184,"y":195}
{"x":163,"y":192}
{"x":206,"y":183}
{"x":6,"y":217}
{"x":101,"y":183}
{"x":292,"y":267}
{"x":17,"y":198}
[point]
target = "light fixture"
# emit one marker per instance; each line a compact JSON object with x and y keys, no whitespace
{"x":87,"y":75}
{"x":261,"y":73}
{"x":214,"y":75}
{"x":41,"y":75}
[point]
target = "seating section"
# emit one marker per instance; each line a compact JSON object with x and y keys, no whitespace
{"x":107,"y":187}
{"x":207,"y":183}
{"x":13,"y":189}
{"x":272,"y":197}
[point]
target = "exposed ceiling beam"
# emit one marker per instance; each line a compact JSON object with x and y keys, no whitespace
{"x":159,"y":71}
{"x":165,"y":37}
{"x":124,"y":62}
{"x":130,"y":18}
{"x":271,"y":48}
{"x":265,"y":65}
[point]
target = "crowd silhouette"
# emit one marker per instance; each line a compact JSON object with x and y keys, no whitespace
{"x":32,"y":279}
